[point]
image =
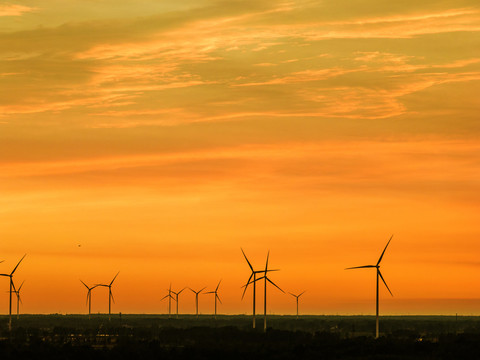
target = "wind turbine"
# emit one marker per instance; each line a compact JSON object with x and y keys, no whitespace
{"x":296,"y":297}
{"x":19,"y":300}
{"x":379,"y":274}
{"x":176,"y":297}
{"x":265,"y":277}
{"x":12,"y":287}
{"x":110,"y":295}
{"x":254,"y":275}
{"x":216,"y":297}
{"x":170,"y":297}
{"x":89,"y":297}
{"x":196,"y":298}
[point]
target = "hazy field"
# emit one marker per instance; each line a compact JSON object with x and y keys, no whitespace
{"x":157,"y":336}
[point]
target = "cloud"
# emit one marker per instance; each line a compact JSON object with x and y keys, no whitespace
{"x":15,"y":10}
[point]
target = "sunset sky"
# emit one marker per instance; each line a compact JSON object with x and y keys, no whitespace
{"x":156,"y":138}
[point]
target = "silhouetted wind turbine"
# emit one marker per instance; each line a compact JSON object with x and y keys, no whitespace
{"x":176,"y":297}
{"x":216,"y":297}
{"x":12,"y":287}
{"x":296,"y":297}
{"x":19,"y":299}
{"x":110,"y":295}
{"x":265,"y":277}
{"x":254,"y":275}
{"x":196,"y":298}
{"x":379,"y":274}
{"x":170,"y":297}
{"x":89,"y":297}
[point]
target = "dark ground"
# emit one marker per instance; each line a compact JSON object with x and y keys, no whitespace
{"x":232,"y":337}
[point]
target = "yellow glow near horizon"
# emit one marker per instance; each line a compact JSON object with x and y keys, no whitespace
{"x":157,"y":139}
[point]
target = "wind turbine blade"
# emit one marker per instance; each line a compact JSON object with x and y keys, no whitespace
{"x":15,"y":268}
{"x":218,"y":297}
{"x":180,"y":291}
{"x":163,"y":298}
{"x":192,"y":290}
{"x":202,"y":289}
{"x":266,"y":263}
{"x":218,"y":285}
{"x":381,"y":256}
{"x":88,"y":296}
{"x":114,"y":278}
{"x":271,"y":282}
{"x":245,"y":256}
{"x":379,"y":273}
{"x":13,"y":285}
{"x":361,"y":267}
{"x":302,"y":293}
{"x":19,"y":299}
{"x":245,"y":288}
{"x":292,"y":294}
{"x":21,"y":286}
{"x":210,"y":292}
{"x":111,"y":295}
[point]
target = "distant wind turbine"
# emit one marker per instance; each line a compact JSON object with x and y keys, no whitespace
{"x":216,"y":297}
{"x":89,"y":297}
{"x":176,"y":297}
{"x":254,"y":282}
{"x":19,"y":299}
{"x":12,"y":287}
{"x":196,"y":298}
{"x":379,"y":274}
{"x":110,"y":295}
{"x":265,"y":278}
{"x":170,"y":297}
{"x":296,"y":298}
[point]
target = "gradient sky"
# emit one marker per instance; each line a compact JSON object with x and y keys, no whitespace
{"x":156,"y":138}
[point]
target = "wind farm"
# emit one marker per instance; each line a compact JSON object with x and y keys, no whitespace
{"x":239,"y":163}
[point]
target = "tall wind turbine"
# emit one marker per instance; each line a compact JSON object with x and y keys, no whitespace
{"x":176,"y":297}
{"x":265,"y":278}
{"x":296,"y":297}
{"x":170,"y":297}
{"x":216,"y":297}
{"x":12,"y":287}
{"x":196,"y":298}
{"x":110,"y":295}
{"x":379,"y":274}
{"x":89,"y":297}
{"x":19,"y":299}
{"x":254,"y":275}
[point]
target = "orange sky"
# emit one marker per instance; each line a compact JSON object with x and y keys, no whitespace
{"x":163,"y":137}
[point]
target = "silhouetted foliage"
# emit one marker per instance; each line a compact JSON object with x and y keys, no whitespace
{"x":231,"y":337}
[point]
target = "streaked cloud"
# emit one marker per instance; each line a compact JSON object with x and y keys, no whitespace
{"x":15,"y":9}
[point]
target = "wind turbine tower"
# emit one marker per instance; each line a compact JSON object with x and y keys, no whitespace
{"x":89,"y":297}
{"x":176,"y":298}
{"x":296,"y":298}
{"x":170,"y":297}
{"x":19,"y":299}
{"x":12,"y":287}
{"x":110,"y":295}
{"x":379,"y":275}
{"x":196,"y":299}
{"x":216,"y":297}
{"x":254,"y":282}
